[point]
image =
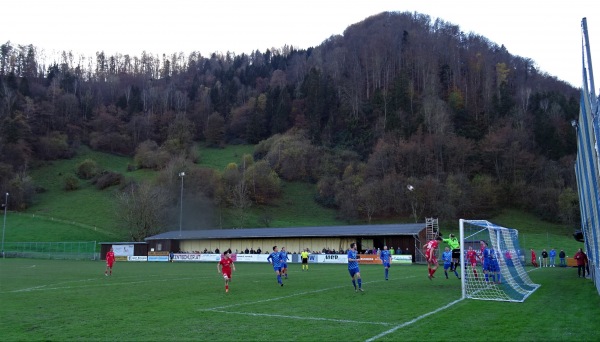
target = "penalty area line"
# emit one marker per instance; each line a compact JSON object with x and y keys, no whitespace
{"x":295,"y":317}
{"x":289,"y":296}
{"x":412,"y":321}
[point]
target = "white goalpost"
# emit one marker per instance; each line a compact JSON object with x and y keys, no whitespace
{"x":492,"y":263}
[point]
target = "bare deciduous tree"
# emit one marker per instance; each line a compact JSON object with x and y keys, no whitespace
{"x":141,"y":210}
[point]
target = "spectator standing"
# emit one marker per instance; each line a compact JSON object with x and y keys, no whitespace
{"x":552,"y":257}
{"x":562,"y":257}
{"x":544,"y":258}
{"x":581,"y":260}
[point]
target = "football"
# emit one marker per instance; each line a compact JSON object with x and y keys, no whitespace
{"x":410,"y":187}
{"x":225,"y":276}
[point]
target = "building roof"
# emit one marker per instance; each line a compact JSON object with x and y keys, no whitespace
{"x":293,"y":232}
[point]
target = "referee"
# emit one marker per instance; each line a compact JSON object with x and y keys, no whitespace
{"x":304,"y":256}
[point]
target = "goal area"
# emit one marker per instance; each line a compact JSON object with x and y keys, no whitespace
{"x":492,"y":263}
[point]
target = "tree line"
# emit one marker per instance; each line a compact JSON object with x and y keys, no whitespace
{"x":397,"y":99}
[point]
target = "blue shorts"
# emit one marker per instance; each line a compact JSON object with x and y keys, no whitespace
{"x":353,"y":271}
{"x":284,"y":265}
{"x":447,"y":265}
{"x":386,"y":264}
{"x":277,"y":268}
{"x":487,"y":266}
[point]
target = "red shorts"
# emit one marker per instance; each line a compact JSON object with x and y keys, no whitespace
{"x":109,"y":264}
{"x":433,"y":260}
{"x":227,"y":273}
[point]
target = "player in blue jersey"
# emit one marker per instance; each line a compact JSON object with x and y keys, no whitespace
{"x":487,"y":262}
{"x":386,"y":259}
{"x":275,"y":260}
{"x":284,"y":265}
{"x":495,"y":265}
{"x":353,"y":267}
{"x":448,"y":262}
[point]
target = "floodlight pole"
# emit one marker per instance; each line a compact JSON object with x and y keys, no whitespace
{"x":4,"y":226}
{"x":181,"y":174}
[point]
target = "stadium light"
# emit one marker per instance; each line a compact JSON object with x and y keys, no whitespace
{"x":181,"y":174}
{"x":4,"y":227}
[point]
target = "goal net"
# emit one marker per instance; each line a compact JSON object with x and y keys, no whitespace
{"x":492,"y":263}
{"x":80,"y":250}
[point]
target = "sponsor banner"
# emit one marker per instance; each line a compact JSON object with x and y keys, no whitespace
{"x":210,"y":257}
{"x":328,"y":258}
{"x":369,"y":259}
{"x":401,"y":259}
{"x":296,"y":258}
{"x":204,"y":257}
{"x":252,"y":257}
{"x":333,"y":258}
{"x":123,"y":250}
{"x":137,"y":258}
{"x":158,"y":253}
{"x":158,"y":258}
{"x":120,"y":258}
{"x":186,"y":257}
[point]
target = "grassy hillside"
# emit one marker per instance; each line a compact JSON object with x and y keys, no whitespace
{"x":85,"y":206}
{"x":87,"y":214}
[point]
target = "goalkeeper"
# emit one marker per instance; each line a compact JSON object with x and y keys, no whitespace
{"x":454,"y":245}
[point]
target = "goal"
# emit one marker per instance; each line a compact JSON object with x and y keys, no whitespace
{"x":492,"y":263}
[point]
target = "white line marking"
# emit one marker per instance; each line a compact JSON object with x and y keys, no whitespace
{"x":290,"y":296}
{"x":296,"y":317}
{"x":104,"y":283}
{"x":412,"y":321}
{"x":271,"y":299}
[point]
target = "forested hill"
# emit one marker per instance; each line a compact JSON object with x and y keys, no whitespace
{"x":397,"y":99}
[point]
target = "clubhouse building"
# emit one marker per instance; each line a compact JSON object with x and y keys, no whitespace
{"x":408,"y":238}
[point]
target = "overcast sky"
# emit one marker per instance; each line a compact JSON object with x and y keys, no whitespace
{"x":548,"y":32}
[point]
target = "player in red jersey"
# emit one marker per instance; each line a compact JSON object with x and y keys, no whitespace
{"x":472,"y":259}
{"x":431,"y":255}
{"x":110,"y":260}
{"x":533,"y":258}
{"x":224,"y":267}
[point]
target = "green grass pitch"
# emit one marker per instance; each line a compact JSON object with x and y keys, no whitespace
{"x":73,"y":301}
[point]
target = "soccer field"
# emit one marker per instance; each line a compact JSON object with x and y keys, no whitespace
{"x":74,"y":301}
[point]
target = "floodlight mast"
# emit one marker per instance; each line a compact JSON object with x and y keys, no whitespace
{"x":4,"y":226}
{"x":181,"y":174}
